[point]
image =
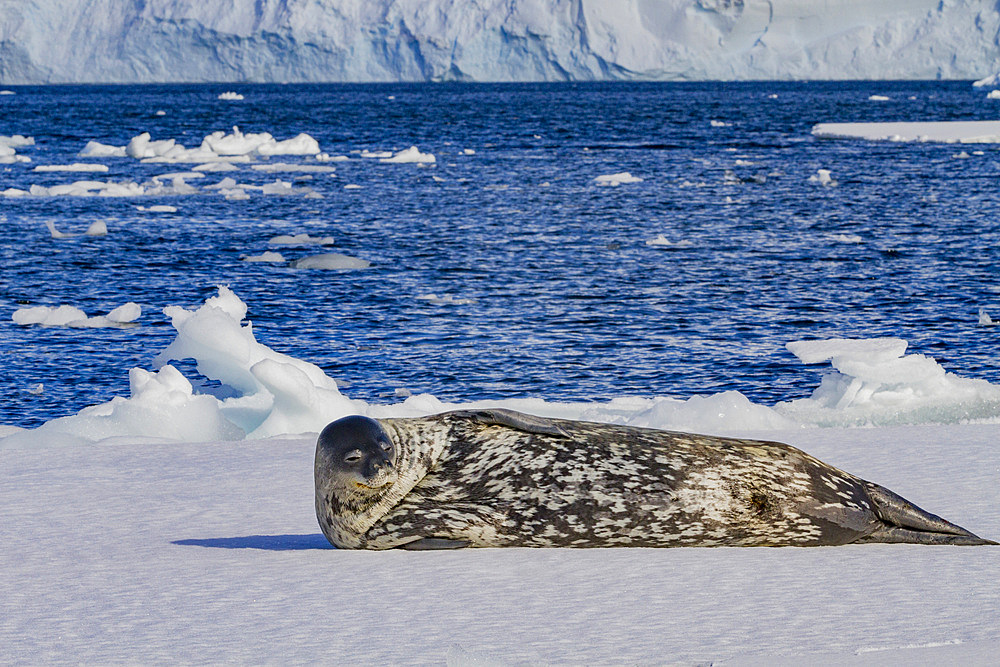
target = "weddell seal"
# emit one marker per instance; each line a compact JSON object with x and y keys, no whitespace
{"x":498,"y":478}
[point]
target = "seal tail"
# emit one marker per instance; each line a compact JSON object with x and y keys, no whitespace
{"x":904,"y":522}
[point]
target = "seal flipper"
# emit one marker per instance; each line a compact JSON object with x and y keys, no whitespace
{"x":434,"y":543}
{"x":904,"y":522}
{"x":513,"y":419}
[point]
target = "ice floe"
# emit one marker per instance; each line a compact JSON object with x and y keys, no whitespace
{"x":71,"y":316}
{"x":719,"y":123}
{"x":985,"y":319}
{"x":230,"y":95}
{"x":326,"y":157}
{"x":846,"y":238}
{"x":300,"y":239}
{"x":330,"y":261}
{"x":993,"y":95}
{"x":96,"y":228}
{"x":16,"y":141}
{"x":445,"y":300}
{"x":97,"y":149}
{"x":991,"y":80}
{"x":662,"y":241}
{"x":879,"y":98}
{"x":614,"y":180}
{"x":158,"y":208}
{"x":410,"y":155}
{"x":267,"y":256}
{"x":215,"y":166}
{"x":965,"y":132}
{"x":9,"y":156}
{"x":76,"y":166}
{"x":288,"y":166}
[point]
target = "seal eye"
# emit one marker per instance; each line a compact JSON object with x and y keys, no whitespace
{"x":353,"y":456}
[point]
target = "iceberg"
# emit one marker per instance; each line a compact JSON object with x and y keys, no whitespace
{"x":132,"y":41}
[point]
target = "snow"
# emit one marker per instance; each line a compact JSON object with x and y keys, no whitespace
{"x":52,"y":41}
{"x":966,"y":132}
{"x":614,"y":180}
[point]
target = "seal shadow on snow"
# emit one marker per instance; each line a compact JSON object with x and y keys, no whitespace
{"x":265,"y":542}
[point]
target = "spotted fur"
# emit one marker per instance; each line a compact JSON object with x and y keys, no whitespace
{"x":498,"y":478}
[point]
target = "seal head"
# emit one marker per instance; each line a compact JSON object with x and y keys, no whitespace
{"x":355,"y":454}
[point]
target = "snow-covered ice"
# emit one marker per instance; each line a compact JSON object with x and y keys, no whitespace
{"x":965,"y":132}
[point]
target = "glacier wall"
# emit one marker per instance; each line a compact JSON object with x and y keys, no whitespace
{"x":77,"y":41}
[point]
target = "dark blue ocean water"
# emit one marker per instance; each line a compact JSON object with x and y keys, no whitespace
{"x":569,"y":300}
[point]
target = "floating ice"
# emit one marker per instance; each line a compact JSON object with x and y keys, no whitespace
{"x":55,"y":233}
{"x":961,"y":155}
{"x":409,"y":156}
{"x":87,"y":189}
{"x":352,"y":186}
{"x":9,"y":156}
{"x":16,"y":141}
{"x":230,"y":95}
{"x":661,"y":240}
{"x":965,"y":132}
{"x":993,"y":95}
{"x":846,"y":238}
{"x":381,"y":155}
{"x":991,"y":80}
{"x":97,"y":149}
{"x":984,"y":318}
{"x":468,"y":151}
{"x":158,"y":208}
{"x":330,"y":260}
{"x":445,"y":300}
{"x":7,"y":92}
{"x":719,"y":123}
{"x":822,"y":176}
{"x":216,"y":166}
{"x":266,"y":257}
{"x":300,"y":239}
{"x":878,"y":98}
{"x":71,"y":316}
{"x":36,"y":389}
{"x":286,"y":166}
{"x":97,"y":228}
{"x":76,"y":166}
{"x":875,"y":383}
{"x":324,"y":157}
{"x":616,"y":179}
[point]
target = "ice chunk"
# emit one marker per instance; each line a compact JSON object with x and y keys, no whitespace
{"x":984,"y":319}
{"x":301,"y":239}
{"x":878,"y":98}
{"x":127,"y":312}
{"x":330,"y":260}
{"x":324,"y":157}
{"x":409,"y":156}
{"x":444,"y":300}
{"x":846,"y":238}
{"x":9,"y":156}
{"x":16,"y":141}
{"x":874,"y":382}
{"x":55,"y":233}
{"x":468,"y":151}
{"x":158,"y":208}
{"x":991,"y":80}
{"x":47,"y":316}
{"x":993,"y":95}
{"x":663,"y":241}
{"x":352,"y":186}
{"x":615,"y":180}
{"x":719,"y":123}
{"x":822,"y":177}
{"x":267,"y":256}
{"x":142,"y":146}
{"x":303,"y":144}
{"x":97,"y":228}
{"x":76,"y":166}
{"x":230,"y":95}
{"x":381,"y":155}
{"x":97,"y":149}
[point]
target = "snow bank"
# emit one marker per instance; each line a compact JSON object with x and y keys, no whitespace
{"x":409,"y":156}
{"x":261,"y":393}
{"x":964,"y":132}
{"x":876,"y":383}
{"x":71,"y":316}
{"x":616,"y":179}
